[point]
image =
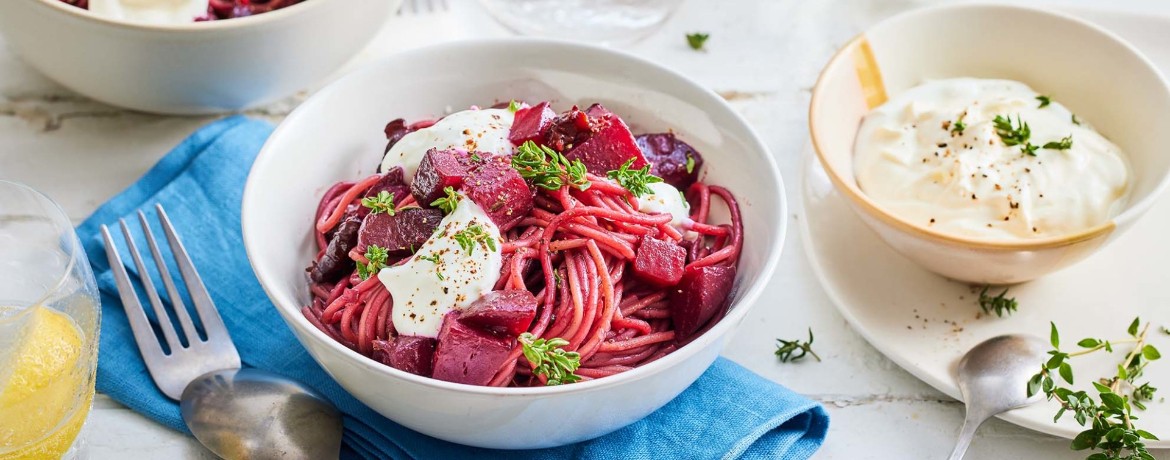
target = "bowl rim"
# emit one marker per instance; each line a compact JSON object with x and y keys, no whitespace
{"x":194,"y":27}
{"x":859,"y":199}
{"x":736,"y":311}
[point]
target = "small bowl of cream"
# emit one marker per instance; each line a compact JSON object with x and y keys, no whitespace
{"x":992,"y":144}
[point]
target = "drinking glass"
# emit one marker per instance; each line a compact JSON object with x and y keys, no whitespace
{"x":49,"y":322}
{"x":612,"y":21}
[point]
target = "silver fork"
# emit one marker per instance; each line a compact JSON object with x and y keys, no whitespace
{"x":230,"y":410}
{"x":171,"y":372}
{"x":422,"y":6}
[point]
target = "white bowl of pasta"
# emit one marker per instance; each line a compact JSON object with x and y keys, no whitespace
{"x":429,"y":332}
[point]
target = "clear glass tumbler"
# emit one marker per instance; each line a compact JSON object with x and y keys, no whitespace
{"x":604,"y":21}
{"x":49,"y":322}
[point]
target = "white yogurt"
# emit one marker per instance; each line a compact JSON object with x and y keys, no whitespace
{"x":150,"y":11}
{"x":667,"y":200}
{"x":424,"y":288}
{"x":484,"y":130}
{"x":912,"y":161}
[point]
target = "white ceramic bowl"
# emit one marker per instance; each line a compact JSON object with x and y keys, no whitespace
{"x":337,"y":135}
{"x":1096,"y":74}
{"x":195,"y":68}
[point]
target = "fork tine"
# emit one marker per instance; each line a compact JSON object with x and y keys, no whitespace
{"x":169,"y":283}
{"x":212,"y":323}
{"x":160,"y":313}
{"x":143,"y":335}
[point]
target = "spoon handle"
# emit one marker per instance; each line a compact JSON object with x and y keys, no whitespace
{"x":970,"y":424}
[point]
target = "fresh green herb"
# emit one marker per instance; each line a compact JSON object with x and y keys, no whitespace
{"x":634,"y":180}
{"x":1063,"y":144}
{"x":795,"y":350}
{"x":433,"y":258}
{"x":449,"y":202}
{"x":999,"y":303}
{"x":547,"y":168}
{"x":1030,"y":149}
{"x":1044,"y":101}
{"x":697,"y":39}
{"x":550,"y":360}
{"x":376,"y":258}
{"x":440,"y":275}
{"x":472,"y":234}
{"x":690,"y":164}
{"x":513,"y":106}
{"x":1017,"y":134}
{"x":958,"y":126}
{"x":476,"y":158}
{"x":1075,"y":121}
{"x":1111,"y":430}
{"x":382,"y":202}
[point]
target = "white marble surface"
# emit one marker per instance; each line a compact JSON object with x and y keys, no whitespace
{"x":763,"y":56}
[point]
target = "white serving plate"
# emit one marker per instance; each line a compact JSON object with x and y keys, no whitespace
{"x":924,"y":322}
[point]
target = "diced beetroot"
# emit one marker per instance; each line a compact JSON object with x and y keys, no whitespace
{"x":437,"y":170}
{"x":406,"y":353}
{"x":510,"y":311}
{"x":700,"y":295}
{"x":608,"y":148}
{"x":569,"y":129}
{"x":668,"y":157}
{"x":395,"y":130}
{"x":531,"y":123}
{"x":335,"y":263}
{"x":466,"y":354}
{"x":497,"y":187}
{"x":392,"y":182}
{"x":659,"y":262}
{"x":407,"y":229}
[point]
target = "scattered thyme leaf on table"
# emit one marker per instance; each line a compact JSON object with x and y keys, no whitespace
{"x":795,"y":350}
{"x":1000,"y":304}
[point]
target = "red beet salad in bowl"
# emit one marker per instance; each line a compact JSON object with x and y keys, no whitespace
{"x":517,"y":246}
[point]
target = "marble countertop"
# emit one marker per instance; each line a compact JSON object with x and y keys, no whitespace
{"x":763,"y":56}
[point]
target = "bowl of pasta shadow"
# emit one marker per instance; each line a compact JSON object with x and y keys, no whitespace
{"x":509,"y":144}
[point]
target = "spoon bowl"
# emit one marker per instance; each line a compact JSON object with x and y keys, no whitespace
{"x":253,"y":414}
{"x":993,"y":378}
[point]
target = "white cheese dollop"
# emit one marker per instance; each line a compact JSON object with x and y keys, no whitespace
{"x":150,"y":11}
{"x":910,"y":159}
{"x":420,"y":296}
{"x":484,"y":130}
{"x":667,"y":199}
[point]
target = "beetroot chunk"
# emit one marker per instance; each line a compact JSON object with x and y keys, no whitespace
{"x":406,"y":353}
{"x":401,"y":233}
{"x":659,"y":262}
{"x":468,"y":355}
{"x":510,"y":311}
{"x":531,"y":123}
{"x":335,"y":263}
{"x":609,"y":147}
{"x":437,"y":170}
{"x":497,"y":187}
{"x":700,"y":295}
{"x":669,"y":156}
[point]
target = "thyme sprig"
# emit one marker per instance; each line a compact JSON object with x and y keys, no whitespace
{"x":795,"y":350}
{"x":1111,"y":431}
{"x":550,"y":360}
{"x":473,"y":234}
{"x":1000,"y":304}
{"x":382,"y":202}
{"x":634,"y":180}
{"x":547,"y":168}
{"x":376,"y":257}
{"x":447,"y":203}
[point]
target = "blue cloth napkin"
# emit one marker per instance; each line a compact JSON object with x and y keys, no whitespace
{"x":728,"y":413}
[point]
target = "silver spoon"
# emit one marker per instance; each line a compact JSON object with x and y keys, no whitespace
{"x":252,"y":414}
{"x":993,"y":377}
